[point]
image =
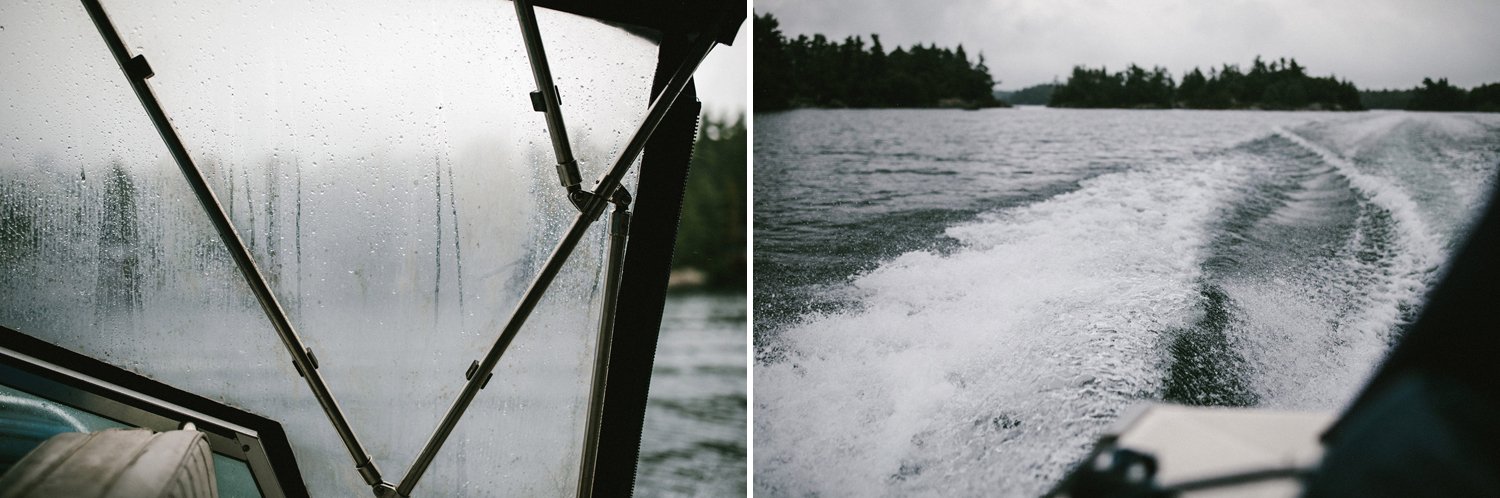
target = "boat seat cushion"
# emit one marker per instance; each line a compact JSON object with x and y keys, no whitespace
{"x":124,"y":463}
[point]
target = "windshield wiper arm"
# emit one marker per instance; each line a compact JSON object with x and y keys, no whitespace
{"x":604,"y":192}
{"x":137,"y":70}
{"x":546,"y":100}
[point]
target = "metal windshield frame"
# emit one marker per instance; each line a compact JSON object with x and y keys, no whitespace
{"x":687,"y":52}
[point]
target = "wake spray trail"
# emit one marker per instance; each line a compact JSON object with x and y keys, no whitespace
{"x":1321,"y":265}
{"x":1270,"y":273}
{"x":988,"y":370}
{"x":1297,"y":288}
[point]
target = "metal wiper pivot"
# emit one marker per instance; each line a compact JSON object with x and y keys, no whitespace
{"x":137,"y":70}
{"x":546,"y":100}
{"x":606,"y":190}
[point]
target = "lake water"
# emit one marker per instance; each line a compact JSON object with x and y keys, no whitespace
{"x":693,"y":443}
{"x":956,"y":303}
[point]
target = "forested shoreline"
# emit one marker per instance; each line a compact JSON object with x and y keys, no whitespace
{"x":817,"y":72}
{"x":711,"y":237}
{"x":1436,"y":96}
{"x":1279,"y":85}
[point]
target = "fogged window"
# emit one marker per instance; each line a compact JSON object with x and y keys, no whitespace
{"x":385,"y":167}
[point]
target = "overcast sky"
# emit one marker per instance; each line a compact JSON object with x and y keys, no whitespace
{"x":1375,"y":43}
{"x":721,"y":78}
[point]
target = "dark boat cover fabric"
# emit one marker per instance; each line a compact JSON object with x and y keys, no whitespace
{"x":1428,"y":423}
{"x":718,"y":18}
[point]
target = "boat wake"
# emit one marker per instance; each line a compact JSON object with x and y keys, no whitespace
{"x":1273,"y":273}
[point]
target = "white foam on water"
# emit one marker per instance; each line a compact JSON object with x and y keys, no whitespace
{"x":1311,"y":336}
{"x":1351,"y":137}
{"x":988,"y":371}
{"x":1444,"y":162}
{"x":1422,"y":250}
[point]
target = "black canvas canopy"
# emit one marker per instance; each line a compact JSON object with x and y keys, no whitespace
{"x":718,"y":19}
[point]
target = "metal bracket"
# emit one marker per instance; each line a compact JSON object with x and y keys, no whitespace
{"x":474,"y":367}
{"x":607,"y":187}
{"x":583,"y":200}
{"x":538,"y":104}
{"x":312,"y":362}
{"x":385,"y":490}
{"x":136,"y":71}
{"x":621,"y":198}
{"x":539,"y":101}
{"x":139,"y":68}
{"x":546,"y":100}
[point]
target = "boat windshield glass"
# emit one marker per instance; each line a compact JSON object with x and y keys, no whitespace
{"x":385,"y":168}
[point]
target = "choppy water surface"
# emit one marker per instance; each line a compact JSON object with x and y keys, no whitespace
{"x":693,"y":443}
{"x":956,"y":303}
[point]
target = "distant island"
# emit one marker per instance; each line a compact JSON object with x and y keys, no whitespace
{"x":1031,"y":95}
{"x":1436,"y":96}
{"x":816,"y":72}
{"x":1282,"y":85}
{"x":1431,"y":96}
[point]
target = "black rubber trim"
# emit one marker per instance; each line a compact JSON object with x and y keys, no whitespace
{"x":272,"y":438}
{"x":643,"y":282}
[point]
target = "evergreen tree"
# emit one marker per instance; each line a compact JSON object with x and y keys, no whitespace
{"x":712,"y":231}
{"x":1280,"y":84}
{"x":1385,"y":99}
{"x":1438,"y":96}
{"x":1033,"y":95}
{"x":817,"y":72}
{"x":1485,"y":98}
{"x":773,"y":72}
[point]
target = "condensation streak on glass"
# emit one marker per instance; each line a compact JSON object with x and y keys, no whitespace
{"x":385,"y":167}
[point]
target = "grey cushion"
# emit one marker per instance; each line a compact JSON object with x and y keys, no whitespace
{"x":125,"y":463}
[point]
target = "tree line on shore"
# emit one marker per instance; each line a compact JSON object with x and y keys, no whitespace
{"x":711,"y":238}
{"x":1430,"y":96}
{"x":1436,"y":96}
{"x":817,"y":72}
{"x":1280,"y":84}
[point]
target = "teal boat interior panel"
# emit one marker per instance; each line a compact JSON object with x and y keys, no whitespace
{"x":46,"y":390}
